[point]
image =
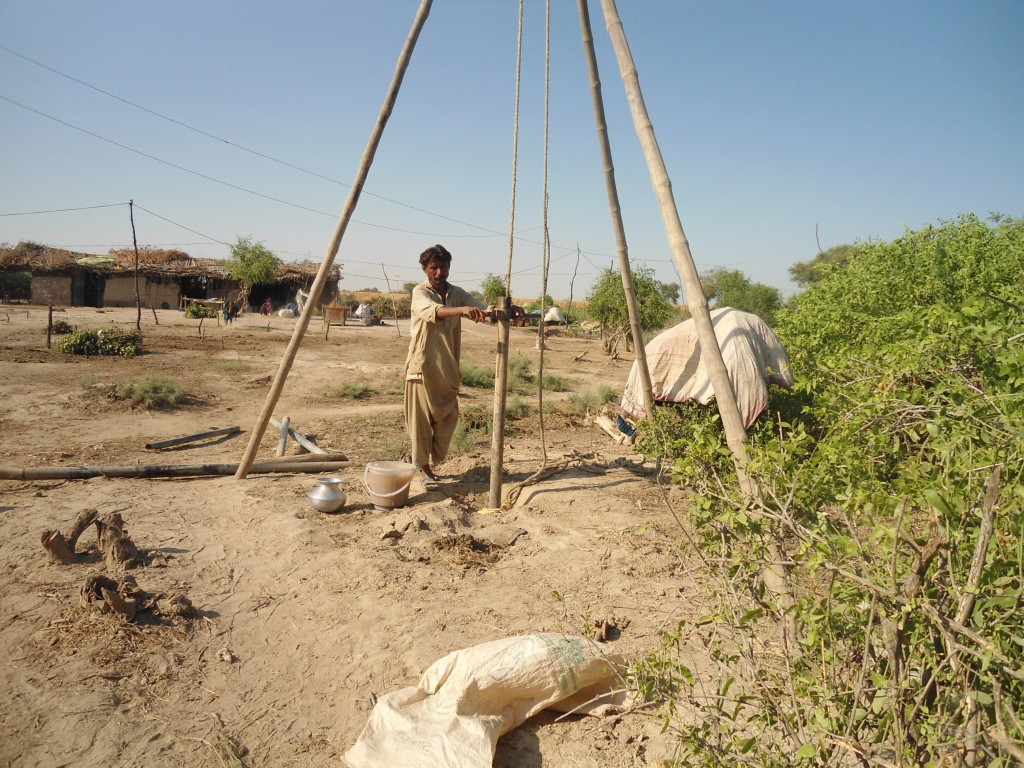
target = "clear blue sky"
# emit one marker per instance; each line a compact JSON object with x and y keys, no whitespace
{"x":782,"y":125}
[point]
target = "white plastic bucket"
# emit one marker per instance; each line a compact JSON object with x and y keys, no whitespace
{"x":387,"y":483}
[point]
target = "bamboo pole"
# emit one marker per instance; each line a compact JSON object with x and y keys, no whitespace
{"x":394,"y":304}
{"x":735,"y":434}
{"x":299,"y":438}
{"x":169,"y":470}
{"x":501,"y":362}
{"x":282,"y":444}
{"x":172,"y":441}
{"x":332,"y":248}
{"x":498,"y":422}
{"x":135,"y":244}
{"x":616,"y":211}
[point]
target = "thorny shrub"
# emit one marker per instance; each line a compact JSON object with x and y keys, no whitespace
{"x":891,"y":481}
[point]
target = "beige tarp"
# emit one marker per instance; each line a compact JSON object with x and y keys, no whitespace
{"x":754,"y":358}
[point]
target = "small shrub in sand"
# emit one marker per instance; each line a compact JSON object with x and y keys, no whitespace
{"x":153,"y":392}
{"x":358,"y":390}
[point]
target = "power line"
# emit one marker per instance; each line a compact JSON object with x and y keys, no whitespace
{"x":241,"y":147}
{"x":182,"y":226}
{"x":226,"y":183}
{"x":64,"y":210}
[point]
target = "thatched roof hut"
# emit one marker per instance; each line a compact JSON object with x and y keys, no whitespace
{"x":81,"y":279}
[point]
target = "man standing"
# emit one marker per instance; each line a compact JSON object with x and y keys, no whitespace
{"x":432,"y":375}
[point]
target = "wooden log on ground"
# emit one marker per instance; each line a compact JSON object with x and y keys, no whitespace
{"x":301,"y":439}
{"x":156,"y":444}
{"x":170,"y":470}
{"x":323,"y":458}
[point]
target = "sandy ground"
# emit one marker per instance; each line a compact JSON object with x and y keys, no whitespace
{"x":302,"y":618}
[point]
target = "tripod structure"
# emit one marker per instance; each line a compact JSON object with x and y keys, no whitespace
{"x":698,"y":306}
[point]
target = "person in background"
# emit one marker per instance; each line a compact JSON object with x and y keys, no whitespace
{"x":432,"y":375}
{"x":267,"y":308}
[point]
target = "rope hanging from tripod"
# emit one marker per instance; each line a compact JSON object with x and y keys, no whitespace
{"x":545,"y":468}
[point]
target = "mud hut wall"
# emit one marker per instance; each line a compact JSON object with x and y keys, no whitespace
{"x":52,"y":289}
{"x":159,"y":292}
{"x":226,"y":290}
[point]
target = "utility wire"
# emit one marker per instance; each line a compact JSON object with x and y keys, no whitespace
{"x":64,"y":210}
{"x":221,"y":181}
{"x":240,"y":146}
{"x":182,"y":226}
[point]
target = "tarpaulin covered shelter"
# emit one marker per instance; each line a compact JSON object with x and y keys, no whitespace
{"x":753,"y":354}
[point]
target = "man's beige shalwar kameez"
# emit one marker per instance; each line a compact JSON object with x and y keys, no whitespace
{"x":432,"y":375}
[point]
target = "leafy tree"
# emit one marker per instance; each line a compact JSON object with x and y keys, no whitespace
{"x":807,"y":273}
{"x":731,"y":288}
{"x":493,"y":289}
{"x":534,"y":305}
{"x":607,"y":302}
{"x":15,"y":285}
{"x":407,"y":287}
{"x":859,"y":302}
{"x":670,"y":291}
{"x":251,"y":263}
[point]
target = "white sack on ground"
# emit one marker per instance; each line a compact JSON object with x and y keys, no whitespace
{"x":465,"y":701}
{"x":753,"y":354}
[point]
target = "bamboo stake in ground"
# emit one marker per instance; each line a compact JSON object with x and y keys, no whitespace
{"x":735,"y":433}
{"x":283,"y":443}
{"x":332,"y":248}
{"x":616,"y":211}
{"x":725,"y":397}
{"x":498,"y":430}
{"x":299,"y":438}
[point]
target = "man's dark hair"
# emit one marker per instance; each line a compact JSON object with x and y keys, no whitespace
{"x":435,"y":253}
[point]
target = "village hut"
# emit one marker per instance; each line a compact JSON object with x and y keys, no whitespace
{"x":167,"y":279}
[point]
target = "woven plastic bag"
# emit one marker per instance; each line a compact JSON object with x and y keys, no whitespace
{"x":467,"y":700}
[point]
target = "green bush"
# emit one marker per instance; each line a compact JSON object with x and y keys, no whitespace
{"x":477,"y":376}
{"x":197,"y":311}
{"x":359,"y":390}
{"x":517,"y":408}
{"x":110,"y":341}
{"x":153,"y":393}
{"x":591,"y":400}
{"x":890,"y":484}
{"x":554,"y":383}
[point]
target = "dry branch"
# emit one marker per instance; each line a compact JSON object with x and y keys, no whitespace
{"x":61,"y":546}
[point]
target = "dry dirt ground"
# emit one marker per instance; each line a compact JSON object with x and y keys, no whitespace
{"x":302,"y":618}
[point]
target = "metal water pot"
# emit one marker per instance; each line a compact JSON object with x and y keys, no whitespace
{"x":328,"y":496}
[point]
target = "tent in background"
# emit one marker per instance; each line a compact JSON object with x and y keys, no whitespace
{"x":754,"y":358}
